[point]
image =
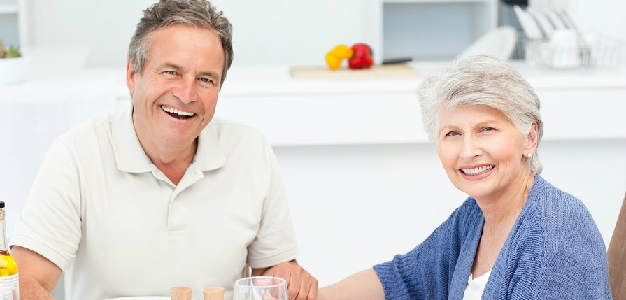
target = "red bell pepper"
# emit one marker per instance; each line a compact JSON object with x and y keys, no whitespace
{"x":361,"y":57}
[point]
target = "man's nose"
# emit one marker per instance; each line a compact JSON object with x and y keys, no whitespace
{"x":185,"y":91}
{"x":471,"y":147}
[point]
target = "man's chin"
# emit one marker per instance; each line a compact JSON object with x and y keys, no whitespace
{"x":179,"y":140}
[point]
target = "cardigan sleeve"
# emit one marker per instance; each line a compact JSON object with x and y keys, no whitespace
{"x":577,"y":268}
{"x":424,"y":272}
{"x":573,"y":263}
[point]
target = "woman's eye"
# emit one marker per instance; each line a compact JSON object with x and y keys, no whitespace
{"x":452,"y":133}
{"x":487,"y":129}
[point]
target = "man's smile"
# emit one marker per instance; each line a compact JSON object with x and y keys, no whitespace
{"x":178,"y":114}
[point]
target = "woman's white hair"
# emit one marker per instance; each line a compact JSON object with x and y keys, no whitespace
{"x":482,"y":80}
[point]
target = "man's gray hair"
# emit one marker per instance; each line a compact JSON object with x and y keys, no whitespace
{"x":482,"y":80}
{"x":195,"y":13}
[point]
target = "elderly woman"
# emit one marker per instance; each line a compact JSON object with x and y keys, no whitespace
{"x":516,"y":236}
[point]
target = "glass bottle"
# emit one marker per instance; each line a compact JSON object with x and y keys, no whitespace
{"x":9,"y":282}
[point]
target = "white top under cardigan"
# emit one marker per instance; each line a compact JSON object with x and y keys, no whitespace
{"x":475,"y":287}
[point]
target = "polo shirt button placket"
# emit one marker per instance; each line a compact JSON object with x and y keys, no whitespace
{"x":176,"y":215}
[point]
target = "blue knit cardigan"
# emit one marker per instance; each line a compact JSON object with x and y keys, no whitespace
{"x":554,"y":251}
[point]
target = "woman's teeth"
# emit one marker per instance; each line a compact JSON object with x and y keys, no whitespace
{"x":477,"y":170}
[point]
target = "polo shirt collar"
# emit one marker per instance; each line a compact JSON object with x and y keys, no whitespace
{"x":128,"y":152}
{"x":209,"y":155}
{"x":131,"y":157}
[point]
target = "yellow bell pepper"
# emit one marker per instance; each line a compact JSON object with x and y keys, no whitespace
{"x":335,"y":56}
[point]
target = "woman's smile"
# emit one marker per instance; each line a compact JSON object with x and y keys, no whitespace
{"x":476,"y":172}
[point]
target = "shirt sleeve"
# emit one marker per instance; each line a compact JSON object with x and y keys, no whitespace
{"x":275,"y":241}
{"x":50,"y":222}
{"x":424,"y":272}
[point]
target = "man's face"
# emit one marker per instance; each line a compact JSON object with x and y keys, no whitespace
{"x":174,"y":97}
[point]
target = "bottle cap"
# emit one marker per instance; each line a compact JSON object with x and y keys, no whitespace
{"x":181,"y":293}
{"x":1,"y":204}
{"x":213,"y":293}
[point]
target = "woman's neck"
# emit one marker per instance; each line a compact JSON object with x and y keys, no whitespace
{"x":505,"y":207}
{"x":500,"y":216}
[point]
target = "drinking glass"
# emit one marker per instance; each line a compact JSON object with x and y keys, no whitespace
{"x":260,"y":288}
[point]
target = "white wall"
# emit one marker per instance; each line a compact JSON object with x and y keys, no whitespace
{"x":264,"y":32}
{"x":296,"y":32}
{"x":602,"y":16}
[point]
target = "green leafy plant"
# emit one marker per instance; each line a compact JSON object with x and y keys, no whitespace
{"x":10,"y":52}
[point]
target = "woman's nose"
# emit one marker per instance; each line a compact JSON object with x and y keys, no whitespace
{"x":471,"y":148}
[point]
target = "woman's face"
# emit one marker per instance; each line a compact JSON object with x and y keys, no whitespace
{"x":482,"y":151}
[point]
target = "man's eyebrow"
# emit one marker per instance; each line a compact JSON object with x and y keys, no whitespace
{"x":174,"y":66}
{"x":170,"y":66}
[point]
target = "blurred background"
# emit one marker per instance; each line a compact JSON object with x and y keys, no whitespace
{"x":293,"y":32}
{"x":363,"y":181}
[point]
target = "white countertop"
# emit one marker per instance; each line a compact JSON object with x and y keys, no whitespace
{"x":275,"y":80}
{"x":576,"y":104}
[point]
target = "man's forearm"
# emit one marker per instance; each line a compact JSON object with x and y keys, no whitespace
{"x":30,"y":289}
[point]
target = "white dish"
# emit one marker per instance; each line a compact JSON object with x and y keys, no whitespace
{"x":498,"y":43}
{"x":544,"y":24}
{"x":529,"y":25}
{"x":555,"y":20}
{"x":567,"y":19}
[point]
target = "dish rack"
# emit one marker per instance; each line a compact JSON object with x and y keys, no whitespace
{"x":594,"y":51}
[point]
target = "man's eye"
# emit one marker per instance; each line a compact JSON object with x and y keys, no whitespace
{"x":206,"y":80}
{"x":169,"y":72}
{"x":452,"y":133}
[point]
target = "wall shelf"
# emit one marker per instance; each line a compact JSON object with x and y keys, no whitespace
{"x":429,"y":30}
{"x":8,"y":9}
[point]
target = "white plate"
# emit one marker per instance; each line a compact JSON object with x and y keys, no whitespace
{"x":543,"y":22}
{"x":555,"y":20}
{"x":530,"y":27}
{"x":499,"y":43}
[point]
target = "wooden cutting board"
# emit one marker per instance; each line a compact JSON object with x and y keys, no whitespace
{"x":395,"y":70}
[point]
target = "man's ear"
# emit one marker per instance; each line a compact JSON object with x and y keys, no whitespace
{"x":531,"y":138}
{"x":130,"y":77}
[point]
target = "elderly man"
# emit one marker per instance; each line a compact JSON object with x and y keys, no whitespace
{"x":162,"y":195}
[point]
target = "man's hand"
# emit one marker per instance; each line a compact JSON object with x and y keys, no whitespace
{"x":300,"y":284}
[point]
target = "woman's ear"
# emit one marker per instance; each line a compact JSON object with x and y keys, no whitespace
{"x":531,"y":138}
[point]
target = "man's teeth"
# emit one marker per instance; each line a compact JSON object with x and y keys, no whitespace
{"x":176,"y":111}
{"x":477,"y":170}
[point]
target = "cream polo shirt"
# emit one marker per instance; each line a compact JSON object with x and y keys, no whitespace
{"x":102,"y":212}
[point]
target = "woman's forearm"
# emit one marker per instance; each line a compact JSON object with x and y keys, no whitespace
{"x":364,"y":285}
